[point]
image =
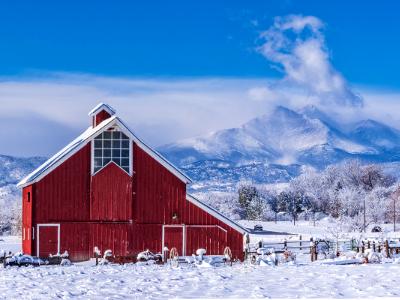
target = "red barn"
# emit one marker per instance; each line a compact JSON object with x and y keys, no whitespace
{"x":108,"y":189}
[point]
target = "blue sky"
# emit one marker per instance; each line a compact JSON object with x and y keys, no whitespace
{"x":190,"y":38}
{"x":175,"y":69}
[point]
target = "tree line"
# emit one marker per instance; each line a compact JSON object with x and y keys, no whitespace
{"x":359,"y":194}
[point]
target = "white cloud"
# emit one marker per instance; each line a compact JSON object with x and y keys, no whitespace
{"x":296,"y":44}
{"x":159,"y":110}
{"x":38,"y":117}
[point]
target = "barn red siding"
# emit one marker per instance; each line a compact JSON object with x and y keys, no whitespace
{"x":63,"y":194}
{"x":27,"y":222}
{"x":194,"y":215}
{"x":112,"y":210}
{"x":111,"y":195}
{"x":158,"y":193}
{"x":100,"y":117}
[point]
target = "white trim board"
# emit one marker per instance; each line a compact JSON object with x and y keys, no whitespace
{"x":208,"y":226}
{"x":38,"y":237}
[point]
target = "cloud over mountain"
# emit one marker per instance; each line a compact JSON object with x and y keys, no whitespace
{"x":296,"y":45}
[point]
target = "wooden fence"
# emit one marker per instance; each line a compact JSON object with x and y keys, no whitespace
{"x":328,"y":247}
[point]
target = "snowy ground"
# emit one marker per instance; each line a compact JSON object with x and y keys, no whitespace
{"x":135,"y":281}
{"x":10,"y":243}
{"x":307,"y":230}
{"x":87,"y":281}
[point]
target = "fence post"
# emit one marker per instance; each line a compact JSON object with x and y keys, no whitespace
{"x":285,"y":244}
{"x":312,"y":249}
{"x":373,"y":246}
{"x":300,"y":244}
{"x":369,"y":244}
{"x":387,"y":248}
{"x":363,"y":247}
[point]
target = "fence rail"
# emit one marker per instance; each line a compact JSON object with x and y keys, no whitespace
{"x":329,"y":247}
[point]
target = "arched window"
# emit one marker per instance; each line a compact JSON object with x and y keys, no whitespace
{"x":111,"y":145}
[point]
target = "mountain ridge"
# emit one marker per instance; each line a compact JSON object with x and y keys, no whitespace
{"x":286,"y":138}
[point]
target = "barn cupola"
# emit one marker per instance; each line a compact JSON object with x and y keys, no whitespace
{"x":100,"y":113}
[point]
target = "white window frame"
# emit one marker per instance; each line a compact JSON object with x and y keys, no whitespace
{"x":38,"y":237}
{"x":130,"y":153}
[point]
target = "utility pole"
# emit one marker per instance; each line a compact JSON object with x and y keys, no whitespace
{"x":394,"y":214}
{"x":364,"y":215}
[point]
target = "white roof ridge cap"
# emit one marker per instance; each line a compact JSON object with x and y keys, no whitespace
{"x":105,"y":106}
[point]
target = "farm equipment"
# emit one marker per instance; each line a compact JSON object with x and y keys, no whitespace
{"x":20,"y":259}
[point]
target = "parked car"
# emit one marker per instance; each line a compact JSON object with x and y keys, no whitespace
{"x":376,"y":229}
{"x":258,"y":227}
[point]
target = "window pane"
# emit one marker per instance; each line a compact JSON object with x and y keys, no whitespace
{"x":96,"y":169}
{"x":107,"y":135}
{"x":116,"y":153}
{"x":125,"y":144}
{"x":99,"y":137}
{"x":97,"y":162}
{"x":126,"y":169}
{"x":116,"y":143}
{"x":106,"y":160}
{"x":97,"y":144}
{"x":107,"y":144}
{"x":107,"y":153}
{"x":116,"y":135}
{"x":125,"y":162}
{"x":123,"y":136}
{"x":97,"y":153}
{"x":125,"y":153}
{"x":117,"y":161}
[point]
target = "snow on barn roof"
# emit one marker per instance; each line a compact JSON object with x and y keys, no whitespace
{"x":216,"y":214}
{"x":101,"y":106}
{"x":84,"y":138}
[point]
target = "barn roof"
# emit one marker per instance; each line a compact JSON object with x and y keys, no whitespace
{"x":100,"y":107}
{"x":216,"y":214}
{"x":82,"y":140}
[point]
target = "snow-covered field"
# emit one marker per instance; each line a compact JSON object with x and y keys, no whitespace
{"x":86,"y":281}
{"x":242,"y":280}
{"x":307,"y":230}
{"x":10,"y":243}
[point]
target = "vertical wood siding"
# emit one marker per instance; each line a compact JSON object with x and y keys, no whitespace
{"x":63,"y":194}
{"x":125,"y":214}
{"x":158,"y":193}
{"x":194,"y":215}
{"x":173,"y":238}
{"x":48,"y":241}
{"x":100,"y":117}
{"x":75,"y":239}
{"x":27,"y":222}
{"x":111,"y":195}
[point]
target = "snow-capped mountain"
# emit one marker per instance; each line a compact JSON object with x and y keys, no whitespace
{"x":12,"y":170}
{"x":274,"y":147}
